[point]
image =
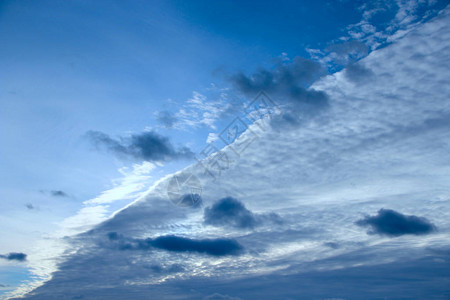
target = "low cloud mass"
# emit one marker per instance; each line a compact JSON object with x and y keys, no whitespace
{"x":392,"y":223}
{"x":18,"y":256}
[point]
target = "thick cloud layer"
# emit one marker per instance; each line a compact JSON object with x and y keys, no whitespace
{"x":148,"y":146}
{"x":14,"y":256}
{"x":392,"y":223}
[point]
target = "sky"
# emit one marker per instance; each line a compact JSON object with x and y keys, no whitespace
{"x":225,"y":149}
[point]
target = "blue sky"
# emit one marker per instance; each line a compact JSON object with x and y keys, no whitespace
{"x":100,"y":103}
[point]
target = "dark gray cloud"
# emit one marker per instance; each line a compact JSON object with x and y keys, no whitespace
{"x":29,"y":206}
{"x":58,"y":193}
{"x":392,"y":223}
{"x":14,"y":256}
{"x":289,"y":80}
{"x":190,"y":200}
{"x":167,"y":119}
{"x":229,"y":212}
{"x":54,"y":193}
{"x":357,"y":73}
{"x":148,"y":146}
{"x":214,"y":247}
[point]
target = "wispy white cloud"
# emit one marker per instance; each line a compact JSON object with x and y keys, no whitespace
{"x":349,"y":48}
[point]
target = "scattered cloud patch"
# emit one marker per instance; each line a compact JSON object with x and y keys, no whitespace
{"x":204,"y":110}
{"x":289,"y":79}
{"x":148,"y":146}
{"x":347,"y":52}
{"x":172,"y":243}
{"x":18,"y":256}
{"x":167,"y":119}
{"x":229,"y":212}
{"x":58,"y":193}
{"x":55,"y":193}
{"x":29,"y":206}
{"x":215,"y":247}
{"x":392,"y":223}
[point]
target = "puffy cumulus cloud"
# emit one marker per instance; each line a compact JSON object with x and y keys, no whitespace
{"x":392,"y":223}
{"x":148,"y":146}
{"x":172,"y":243}
{"x":290,"y":80}
{"x":18,"y":256}
{"x":230,"y":212}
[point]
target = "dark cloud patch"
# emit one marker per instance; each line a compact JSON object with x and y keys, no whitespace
{"x":167,"y":119}
{"x":392,"y":223}
{"x":113,"y":236}
{"x":214,"y":247}
{"x":332,"y":245}
{"x":14,"y":256}
{"x":191,"y":200}
{"x":29,"y":206}
{"x":229,"y":212}
{"x":55,"y":193}
{"x":58,"y":193}
{"x":289,"y":80}
{"x":357,"y":73}
{"x":148,"y":146}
